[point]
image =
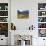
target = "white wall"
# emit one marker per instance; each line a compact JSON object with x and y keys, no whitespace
{"x":23,"y":24}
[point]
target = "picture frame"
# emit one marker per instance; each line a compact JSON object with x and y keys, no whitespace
{"x":22,"y":14}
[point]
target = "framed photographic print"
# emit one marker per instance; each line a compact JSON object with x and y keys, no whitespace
{"x":22,"y":14}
